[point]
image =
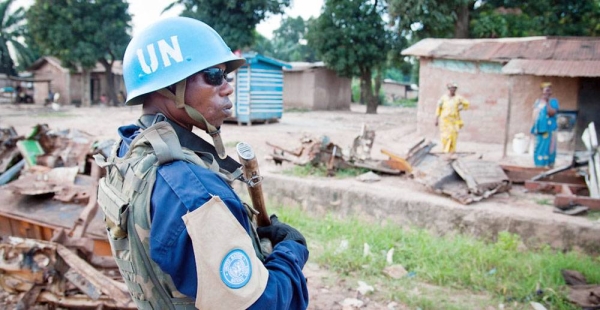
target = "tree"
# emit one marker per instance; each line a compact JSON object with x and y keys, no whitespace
{"x":496,"y":18}
{"x":432,"y":18}
{"x":350,"y":37}
{"x":81,"y":34}
{"x":12,"y":34}
{"x":235,"y":21}
{"x":289,"y":41}
{"x":511,"y":18}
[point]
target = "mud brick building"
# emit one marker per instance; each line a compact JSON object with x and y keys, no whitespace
{"x":501,"y":78}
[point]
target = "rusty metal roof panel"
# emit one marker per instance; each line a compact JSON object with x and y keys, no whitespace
{"x":535,"y":49}
{"x":539,"y":67}
{"x":544,"y":48}
{"x":481,"y":51}
{"x":577,"y":49}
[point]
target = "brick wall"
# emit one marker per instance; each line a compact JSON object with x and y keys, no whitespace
{"x":487,"y":89}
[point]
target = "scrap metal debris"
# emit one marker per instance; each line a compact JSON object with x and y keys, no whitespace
{"x":323,"y":152}
{"x":581,"y":293}
{"x":575,"y":185}
{"x":465,"y":180}
{"x":49,"y":196}
{"x":43,"y":272}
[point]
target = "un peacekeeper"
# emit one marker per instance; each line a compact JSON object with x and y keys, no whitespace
{"x":180,"y":235}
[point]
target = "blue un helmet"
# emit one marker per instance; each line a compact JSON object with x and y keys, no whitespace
{"x":169,"y":51}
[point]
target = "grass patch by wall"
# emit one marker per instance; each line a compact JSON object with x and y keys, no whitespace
{"x":321,"y":171}
{"x":502,"y":268}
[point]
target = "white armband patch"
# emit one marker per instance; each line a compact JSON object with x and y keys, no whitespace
{"x":230,"y":275}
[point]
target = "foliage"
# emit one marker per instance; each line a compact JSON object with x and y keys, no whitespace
{"x":289,"y":43}
{"x":262,"y":45}
{"x":82,"y":33}
{"x":496,"y":18}
{"x":350,"y":37}
{"x":529,"y":18}
{"x":12,"y":31}
{"x":428,"y":18}
{"x":501,"y":268}
{"x":235,"y":21}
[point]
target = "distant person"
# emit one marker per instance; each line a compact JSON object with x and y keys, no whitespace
{"x":447,"y":115}
{"x":544,"y":126}
{"x":103,"y":99}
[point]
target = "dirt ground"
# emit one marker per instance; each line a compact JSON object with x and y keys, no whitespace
{"x":395,"y":131}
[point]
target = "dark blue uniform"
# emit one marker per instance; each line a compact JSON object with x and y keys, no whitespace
{"x":182,"y":187}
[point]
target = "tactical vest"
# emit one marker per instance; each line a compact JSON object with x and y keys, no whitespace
{"x":124,"y":195}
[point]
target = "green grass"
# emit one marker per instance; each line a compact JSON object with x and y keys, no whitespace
{"x":54,"y":114}
{"x":407,"y":103}
{"x":544,"y":202}
{"x":321,"y":171}
{"x":593,"y":215}
{"x":500,"y":268}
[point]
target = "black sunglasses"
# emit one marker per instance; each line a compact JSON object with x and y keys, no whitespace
{"x":214,"y":76}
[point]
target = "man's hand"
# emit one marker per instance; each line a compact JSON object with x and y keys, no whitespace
{"x":278,"y":231}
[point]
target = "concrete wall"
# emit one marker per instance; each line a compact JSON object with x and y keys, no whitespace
{"x":316,"y":89}
{"x":487,"y":89}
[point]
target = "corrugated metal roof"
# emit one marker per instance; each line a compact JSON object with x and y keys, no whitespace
{"x":549,"y":56}
{"x":570,"y":68}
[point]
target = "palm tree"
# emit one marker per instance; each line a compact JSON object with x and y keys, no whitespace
{"x":12,"y":34}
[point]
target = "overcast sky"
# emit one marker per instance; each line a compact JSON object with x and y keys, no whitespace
{"x":147,"y":11}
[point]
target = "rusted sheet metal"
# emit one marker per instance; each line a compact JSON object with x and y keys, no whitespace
{"x":466,"y":181}
{"x":562,"y":201}
{"x":396,"y":162}
{"x":36,"y":267}
{"x":548,"y":56}
{"x":542,"y":67}
{"x":520,"y":174}
{"x":483,"y":178}
{"x":40,"y":217}
{"x":555,"y":187}
{"x":65,"y":148}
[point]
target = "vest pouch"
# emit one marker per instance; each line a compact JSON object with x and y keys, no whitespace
{"x":115,"y":207}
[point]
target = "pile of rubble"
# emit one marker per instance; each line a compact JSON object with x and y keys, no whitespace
{"x":53,"y":249}
{"x":464,"y":177}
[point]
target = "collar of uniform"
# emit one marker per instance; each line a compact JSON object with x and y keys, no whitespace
{"x":190,"y":141}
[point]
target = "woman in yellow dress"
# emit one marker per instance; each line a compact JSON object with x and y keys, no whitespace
{"x":448,"y":117}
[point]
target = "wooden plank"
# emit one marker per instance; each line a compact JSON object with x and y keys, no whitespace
{"x":397,"y":162}
{"x":554,"y":187}
{"x":520,"y":174}
{"x":563,"y":201}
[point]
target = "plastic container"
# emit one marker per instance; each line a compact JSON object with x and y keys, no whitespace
{"x":520,"y":143}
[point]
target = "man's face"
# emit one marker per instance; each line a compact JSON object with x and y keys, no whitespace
{"x":211,"y":101}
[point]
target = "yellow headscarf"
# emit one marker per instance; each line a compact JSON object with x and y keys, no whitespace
{"x":545,"y":84}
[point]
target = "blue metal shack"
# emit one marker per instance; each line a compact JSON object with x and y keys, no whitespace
{"x":259,"y":89}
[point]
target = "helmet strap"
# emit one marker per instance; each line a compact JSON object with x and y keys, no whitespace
{"x":179,"y":98}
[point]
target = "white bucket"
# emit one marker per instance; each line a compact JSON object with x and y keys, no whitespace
{"x":520,"y":143}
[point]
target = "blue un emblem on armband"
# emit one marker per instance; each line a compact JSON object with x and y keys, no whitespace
{"x":236,"y":269}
